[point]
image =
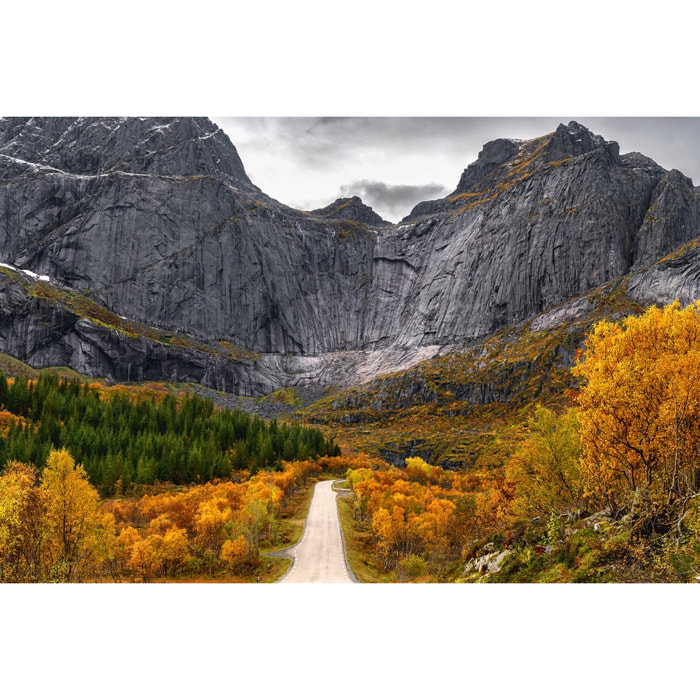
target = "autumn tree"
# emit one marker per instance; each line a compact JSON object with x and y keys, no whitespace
{"x":102,"y":542}
{"x":210,"y":523}
{"x":640,"y":411}
{"x":493,"y":505}
{"x":419,"y":470}
{"x":436,"y":526}
{"x":259,"y":508}
{"x":124,"y":546}
{"x":176,"y":550}
{"x":22,"y":524}
{"x":146,"y":557}
{"x":234,"y":553}
{"x":546,"y":470}
{"x":72,"y":515}
{"x":413,"y":512}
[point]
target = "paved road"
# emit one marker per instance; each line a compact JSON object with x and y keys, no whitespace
{"x":318,"y":557}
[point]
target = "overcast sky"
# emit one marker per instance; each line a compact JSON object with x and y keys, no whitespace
{"x":394,"y":163}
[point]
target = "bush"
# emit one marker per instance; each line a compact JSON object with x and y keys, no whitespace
{"x":410,"y":568}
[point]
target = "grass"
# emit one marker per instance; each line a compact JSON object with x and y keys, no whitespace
{"x":358,"y":545}
{"x":272,"y":568}
{"x":12,"y":367}
{"x":293,"y":516}
{"x":68,"y":374}
{"x":267,"y":571}
{"x":287,"y":396}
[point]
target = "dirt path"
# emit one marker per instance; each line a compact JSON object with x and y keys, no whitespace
{"x":319,"y":557}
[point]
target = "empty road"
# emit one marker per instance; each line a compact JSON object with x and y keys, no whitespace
{"x":318,"y":557}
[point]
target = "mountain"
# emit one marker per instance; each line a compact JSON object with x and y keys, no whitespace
{"x":351,"y":209}
{"x":151,"y":255}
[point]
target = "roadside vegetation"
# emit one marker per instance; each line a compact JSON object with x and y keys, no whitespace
{"x":605,"y":489}
{"x":55,"y":528}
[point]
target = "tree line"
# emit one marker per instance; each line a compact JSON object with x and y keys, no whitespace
{"x":123,"y":440}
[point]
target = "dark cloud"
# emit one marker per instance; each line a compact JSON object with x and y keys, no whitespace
{"x":392,"y":202}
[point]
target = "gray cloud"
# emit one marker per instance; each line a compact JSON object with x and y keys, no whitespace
{"x":310,"y":141}
{"x":305,"y":161}
{"x":392,"y":202}
{"x":317,"y":140}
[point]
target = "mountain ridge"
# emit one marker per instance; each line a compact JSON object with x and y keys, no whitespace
{"x":157,"y":221}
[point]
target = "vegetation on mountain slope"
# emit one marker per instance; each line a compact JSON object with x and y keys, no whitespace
{"x":81,"y":305}
{"x":605,"y":490}
{"x":466,"y":409}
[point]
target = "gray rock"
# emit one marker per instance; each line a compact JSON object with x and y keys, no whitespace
{"x":573,"y":140}
{"x":493,"y":154}
{"x":156,"y":220}
{"x":674,"y":277}
{"x":351,"y":209}
{"x":490,"y":563}
{"x":596,"y":519}
{"x":91,"y":147}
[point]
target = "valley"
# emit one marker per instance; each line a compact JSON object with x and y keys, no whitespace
{"x":206,"y":354}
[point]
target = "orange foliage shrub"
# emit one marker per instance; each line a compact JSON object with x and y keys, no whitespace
{"x":424,"y":510}
{"x":7,"y":420}
{"x":234,"y":552}
{"x":217,"y":524}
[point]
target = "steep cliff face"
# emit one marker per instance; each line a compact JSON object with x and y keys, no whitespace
{"x":167,"y":229}
{"x":533,"y":224}
{"x":156,"y":220}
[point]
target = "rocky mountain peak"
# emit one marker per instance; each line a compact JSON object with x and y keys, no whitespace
{"x":573,"y":139}
{"x":503,"y":163}
{"x":89,"y":147}
{"x":351,"y":209}
{"x":499,"y":158}
{"x":493,"y":154}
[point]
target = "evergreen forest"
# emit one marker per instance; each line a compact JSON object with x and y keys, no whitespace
{"x":123,"y":439}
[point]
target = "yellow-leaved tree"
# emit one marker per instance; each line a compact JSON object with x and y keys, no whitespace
{"x":640,"y":412}
{"x":546,"y":470}
{"x":73,"y":518}
{"x":22,"y":526}
{"x":234,"y":552}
